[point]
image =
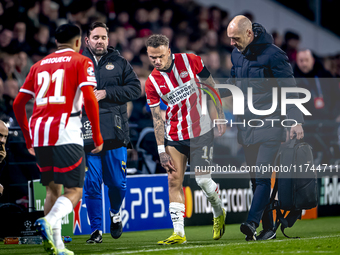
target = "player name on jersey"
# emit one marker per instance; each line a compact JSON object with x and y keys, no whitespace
{"x":55,"y":60}
{"x":178,"y":89}
{"x":181,"y":93}
{"x":56,"y":83}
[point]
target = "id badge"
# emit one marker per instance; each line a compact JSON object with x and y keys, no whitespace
{"x":319,"y":103}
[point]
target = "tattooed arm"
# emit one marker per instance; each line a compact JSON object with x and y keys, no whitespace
{"x":220,"y":113}
{"x":158,"y":124}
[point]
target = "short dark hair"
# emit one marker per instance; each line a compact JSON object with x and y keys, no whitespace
{"x":157,"y":40}
{"x":291,"y":35}
{"x":95,"y":25}
{"x":65,"y":33}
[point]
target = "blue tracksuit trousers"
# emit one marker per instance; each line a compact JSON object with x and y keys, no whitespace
{"x":108,"y":167}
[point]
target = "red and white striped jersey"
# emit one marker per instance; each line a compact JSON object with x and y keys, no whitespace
{"x":178,"y":89}
{"x":55,"y":82}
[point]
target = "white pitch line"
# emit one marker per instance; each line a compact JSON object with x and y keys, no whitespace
{"x":185,"y":247}
{"x":309,"y":252}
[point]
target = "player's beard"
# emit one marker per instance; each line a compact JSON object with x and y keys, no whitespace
{"x":167,"y":65}
{"x":97,"y":52}
{"x":238,"y":48}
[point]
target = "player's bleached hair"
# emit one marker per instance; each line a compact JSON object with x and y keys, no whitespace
{"x":157,"y":40}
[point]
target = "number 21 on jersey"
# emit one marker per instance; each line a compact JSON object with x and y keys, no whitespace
{"x":44,"y":80}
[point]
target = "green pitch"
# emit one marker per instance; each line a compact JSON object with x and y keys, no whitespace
{"x":320,"y":236}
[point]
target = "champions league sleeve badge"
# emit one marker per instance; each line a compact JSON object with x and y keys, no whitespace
{"x":90,"y":71}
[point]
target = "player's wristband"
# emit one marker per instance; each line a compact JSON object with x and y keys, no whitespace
{"x":161,"y":149}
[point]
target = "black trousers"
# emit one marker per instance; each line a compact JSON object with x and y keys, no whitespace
{"x":262,"y":154}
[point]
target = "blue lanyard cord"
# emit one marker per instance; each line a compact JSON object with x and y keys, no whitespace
{"x":318,"y":85}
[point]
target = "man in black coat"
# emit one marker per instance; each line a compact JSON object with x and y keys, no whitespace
{"x":260,"y":65}
{"x":3,"y":139}
{"x":324,"y":104}
{"x":311,"y":75}
{"x":117,"y":84}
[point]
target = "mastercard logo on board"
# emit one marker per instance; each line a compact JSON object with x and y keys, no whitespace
{"x":188,"y":202}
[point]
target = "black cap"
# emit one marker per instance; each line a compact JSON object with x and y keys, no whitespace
{"x":66,"y":33}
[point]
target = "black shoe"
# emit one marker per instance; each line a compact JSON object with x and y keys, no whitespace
{"x":266,"y":235}
{"x":116,"y":227}
{"x":249,"y":229}
{"x":96,"y":237}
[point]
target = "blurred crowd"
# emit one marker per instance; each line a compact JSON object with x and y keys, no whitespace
{"x":27,"y":35}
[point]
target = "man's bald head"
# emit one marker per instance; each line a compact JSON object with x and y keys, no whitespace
{"x":3,"y":133}
{"x":240,"y":23}
{"x":240,"y":32}
{"x":305,"y":60}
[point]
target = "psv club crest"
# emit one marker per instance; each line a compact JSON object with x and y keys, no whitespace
{"x":109,"y":66}
{"x":184,"y":74}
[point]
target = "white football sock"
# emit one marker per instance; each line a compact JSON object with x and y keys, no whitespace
{"x":100,"y":232}
{"x":57,"y":235}
{"x":177,"y":216}
{"x":211,"y":191}
{"x":116,"y":217}
{"x":60,"y":209}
